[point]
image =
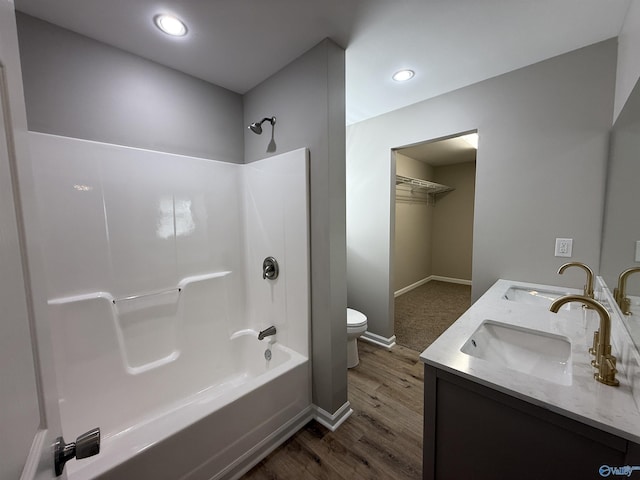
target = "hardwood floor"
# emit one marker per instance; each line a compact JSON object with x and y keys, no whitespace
{"x":382,"y":439}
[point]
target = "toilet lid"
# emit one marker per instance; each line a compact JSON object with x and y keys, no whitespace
{"x":355,"y":318}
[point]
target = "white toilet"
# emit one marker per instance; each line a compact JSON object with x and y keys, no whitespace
{"x":356,"y":326}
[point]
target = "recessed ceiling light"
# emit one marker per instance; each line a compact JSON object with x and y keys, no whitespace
{"x":403,"y":75}
{"x":170,"y":25}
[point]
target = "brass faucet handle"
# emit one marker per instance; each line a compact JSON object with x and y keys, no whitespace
{"x":625,"y":305}
{"x":596,"y":338}
{"x":607,"y":371}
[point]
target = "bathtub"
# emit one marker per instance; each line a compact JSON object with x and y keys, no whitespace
{"x":195,"y":402}
{"x":218,"y":433}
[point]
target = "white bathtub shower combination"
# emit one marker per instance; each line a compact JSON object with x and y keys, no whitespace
{"x":154,"y":276}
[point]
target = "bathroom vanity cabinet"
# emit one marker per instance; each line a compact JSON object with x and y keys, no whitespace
{"x":472,"y":431}
{"x":523,"y":402}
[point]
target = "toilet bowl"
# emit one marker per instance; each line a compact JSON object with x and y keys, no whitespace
{"x":356,"y":326}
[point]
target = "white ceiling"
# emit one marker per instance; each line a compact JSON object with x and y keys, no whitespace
{"x":441,"y":152}
{"x":449,"y":43}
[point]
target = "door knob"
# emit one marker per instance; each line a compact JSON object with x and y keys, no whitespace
{"x":86,"y":445}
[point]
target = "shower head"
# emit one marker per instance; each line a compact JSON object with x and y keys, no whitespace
{"x":256,"y":127}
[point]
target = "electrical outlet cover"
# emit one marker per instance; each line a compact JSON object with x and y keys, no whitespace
{"x":564,"y":247}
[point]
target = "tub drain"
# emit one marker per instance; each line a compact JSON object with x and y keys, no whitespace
{"x":267,"y":354}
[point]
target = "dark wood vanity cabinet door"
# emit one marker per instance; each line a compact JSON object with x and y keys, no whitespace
{"x":474,"y":432}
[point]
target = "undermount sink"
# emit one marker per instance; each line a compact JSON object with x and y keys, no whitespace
{"x":539,"y":354}
{"x":543,"y":298}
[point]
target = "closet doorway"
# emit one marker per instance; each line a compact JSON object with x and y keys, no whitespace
{"x":433,"y":236}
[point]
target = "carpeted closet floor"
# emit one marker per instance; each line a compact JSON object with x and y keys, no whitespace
{"x":422,"y":314}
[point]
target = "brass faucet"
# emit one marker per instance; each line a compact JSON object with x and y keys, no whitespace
{"x":588,"y":288}
{"x":604,"y":361}
{"x":620,"y":292}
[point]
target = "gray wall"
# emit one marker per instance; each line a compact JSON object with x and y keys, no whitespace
{"x":20,"y":409}
{"x":628,"y":68}
{"x":452,"y":235}
{"x":78,"y":87}
{"x":433,"y":238}
{"x":413,"y":227}
{"x":539,"y":174}
{"x":307,"y":98}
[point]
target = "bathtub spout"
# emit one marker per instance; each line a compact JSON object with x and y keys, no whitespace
{"x":267,"y":332}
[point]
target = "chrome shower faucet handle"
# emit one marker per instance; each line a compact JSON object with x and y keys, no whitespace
{"x":270,"y":268}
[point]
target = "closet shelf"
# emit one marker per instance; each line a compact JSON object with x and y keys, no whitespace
{"x":422,"y":186}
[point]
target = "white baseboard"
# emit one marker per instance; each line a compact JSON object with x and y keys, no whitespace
{"x":408,"y":288}
{"x":419,"y":283}
{"x":379,"y":339}
{"x":332,"y":421}
{"x":461,"y":281}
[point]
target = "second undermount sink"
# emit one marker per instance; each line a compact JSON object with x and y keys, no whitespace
{"x":532,"y":296}
{"x":536,"y":353}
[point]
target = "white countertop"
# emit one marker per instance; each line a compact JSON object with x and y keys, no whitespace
{"x":611,"y":409}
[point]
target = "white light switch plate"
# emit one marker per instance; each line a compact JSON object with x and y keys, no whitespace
{"x":564,"y":247}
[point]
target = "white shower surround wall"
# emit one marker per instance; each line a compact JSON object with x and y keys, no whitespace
{"x":176,"y":380}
